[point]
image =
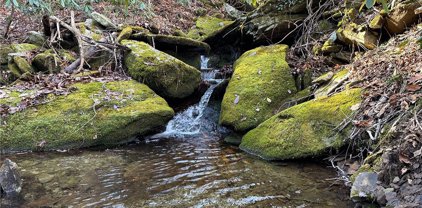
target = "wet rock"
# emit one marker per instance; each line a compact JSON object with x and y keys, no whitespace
{"x":94,"y":113}
{"x":36,"y":38}
{"x":259,"y":74}
{"x":402,"y":16}
{"x":103,"y":20}
{"x":304,"y":130}
{"x":10,"y":179}
{"x":148,"y":65}
{"x":364,"y":187}
{"x":353,"y":34}
{"x":233,"y":139}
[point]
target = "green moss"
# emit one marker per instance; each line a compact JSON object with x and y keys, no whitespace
{"x":206,"y":26}
{"x":46,"y":61}
{"x":304,"y":130}
{"x":96,"y":114}
{"x":13,"y":97}
{"x":24,"y":47}
{"x":124,"y":34}
{"x":262,"y":81}
{"x":4,"y":51}
{"x":166,"y":75}
{"x":22,"y":64}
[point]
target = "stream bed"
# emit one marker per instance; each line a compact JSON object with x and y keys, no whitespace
{"x":173,"y":172}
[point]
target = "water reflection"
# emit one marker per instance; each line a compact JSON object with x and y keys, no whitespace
{"x":195,"y":172}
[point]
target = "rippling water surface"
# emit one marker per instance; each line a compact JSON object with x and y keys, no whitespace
{"x":190,"y":172}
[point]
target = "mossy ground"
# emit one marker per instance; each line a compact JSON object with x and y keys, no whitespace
{"x":303,"y":130}
{"x":261,"y":81}
{"x":166,"y":75}
{"x":96,"y":114}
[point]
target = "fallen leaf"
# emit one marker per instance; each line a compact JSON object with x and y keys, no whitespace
{"x":415,"y":78}
{"x":413,"y":87}
{"x":404,"y":159}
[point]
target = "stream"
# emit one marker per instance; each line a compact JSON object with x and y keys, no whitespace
{"x":187,"y":165}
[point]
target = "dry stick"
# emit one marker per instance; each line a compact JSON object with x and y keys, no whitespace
{"x":80,"y":61}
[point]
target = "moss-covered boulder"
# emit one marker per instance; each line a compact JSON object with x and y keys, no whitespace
{"x":207,"y":26}
{"x":48,"y":61}
{"x":166,"y":75}
{"x":304,"y":130}
{"x":94,"y":114}
{"x":124,"y":34}
{"x":261,"y":81}
{"x":24,"y":47}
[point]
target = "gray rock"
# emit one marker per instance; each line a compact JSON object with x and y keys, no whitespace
{"x":364,"y":187}
{"x":10,"y":180}
{"x":36,"y":38}
{"x":103,"y":20}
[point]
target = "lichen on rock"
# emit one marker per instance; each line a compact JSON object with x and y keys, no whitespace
{"x":304,"y":130}
{"x":95,"y":114}
{"x":167,"y":76}
{"x":261,"y":81}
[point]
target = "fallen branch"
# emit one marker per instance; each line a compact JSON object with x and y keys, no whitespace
{"x":80,"y":61}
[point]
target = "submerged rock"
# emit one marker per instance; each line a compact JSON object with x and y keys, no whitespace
{"x":95,"y":114}
{"x":167,"y":76}
{"x":304,"y":130}
{"x":10,"y":179}
{"x":365,"y":187}
{"x":261,"y":81}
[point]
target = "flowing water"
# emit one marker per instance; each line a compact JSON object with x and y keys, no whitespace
{"x":187,"y":165}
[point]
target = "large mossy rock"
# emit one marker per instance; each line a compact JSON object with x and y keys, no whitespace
{"x":261,"y":81}
{"x":358,"y":35}
{"x":304,"y":130}
{"x":208,"y":26}
{"x":166,"y":75}
{"x":95,"y":114}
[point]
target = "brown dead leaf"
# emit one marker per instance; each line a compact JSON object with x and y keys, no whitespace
{"x":415,"y":78}
{"x":404,"y":159}
{"x":413,"y":87}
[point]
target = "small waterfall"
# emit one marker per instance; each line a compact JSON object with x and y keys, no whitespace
{"x":190,"y":121}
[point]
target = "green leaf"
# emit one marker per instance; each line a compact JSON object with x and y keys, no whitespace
{"x":384,"y":5}
{"x":369,"y":3}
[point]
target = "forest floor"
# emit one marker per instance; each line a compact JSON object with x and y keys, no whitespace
{"x":164,"y":16}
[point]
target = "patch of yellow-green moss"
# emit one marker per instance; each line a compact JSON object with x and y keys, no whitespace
{"x":12,"y":97}
{"x":304,"y":130}
{"x":95,"y":114}
{"x":260,"y":83}
{"x":166,"y":75}
{"x":124,"y":34}
{"x":206,"y":26}
{"x":24,"y":47}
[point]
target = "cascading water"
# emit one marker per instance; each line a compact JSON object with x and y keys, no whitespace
{"x":191,"y":121}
